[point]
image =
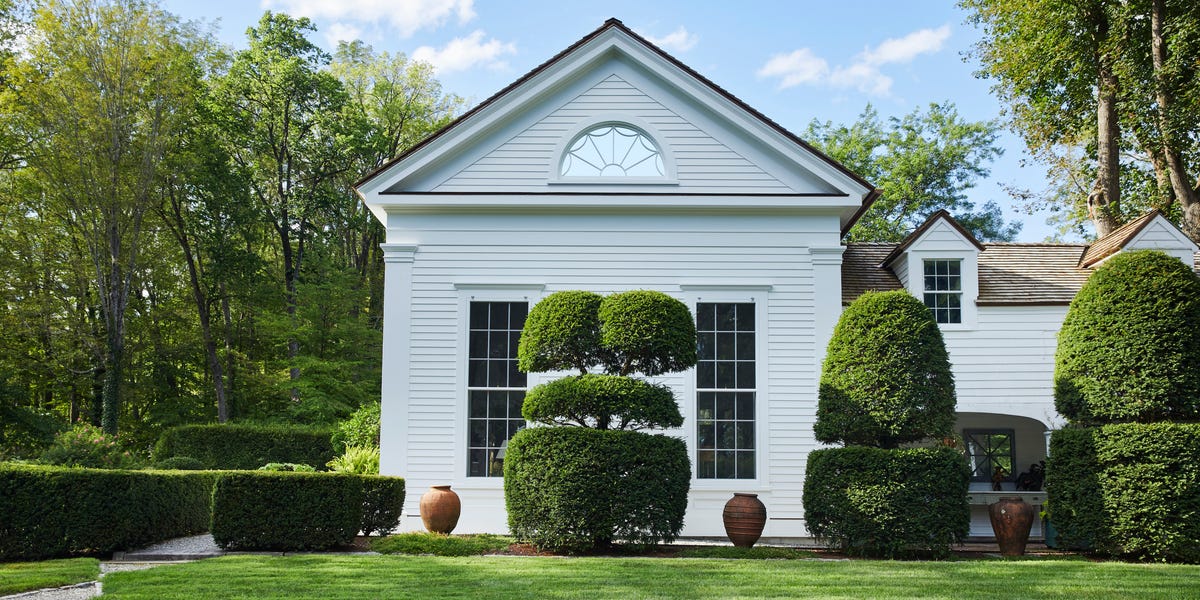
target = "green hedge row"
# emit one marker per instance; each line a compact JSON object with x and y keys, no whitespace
{"x":246,"y":446}
{"x":55,"y":511}
{"x":888,"y":503}
{"x":572,"y":488}
{"x":1131,"y":490}
{"x":268,"y":510}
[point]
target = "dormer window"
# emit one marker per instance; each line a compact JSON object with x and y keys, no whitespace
{"x":943,"y":289}
{"x":612,"y":150}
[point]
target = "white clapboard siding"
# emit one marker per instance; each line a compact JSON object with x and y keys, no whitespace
{"x":526,"y":162}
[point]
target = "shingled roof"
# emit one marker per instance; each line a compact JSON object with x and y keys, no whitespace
{"x":1114,"y":241}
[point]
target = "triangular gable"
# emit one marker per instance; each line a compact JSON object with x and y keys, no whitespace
{"x":525,"y":97}
{"x":1149,"y":231}
{"x":939,"y":229}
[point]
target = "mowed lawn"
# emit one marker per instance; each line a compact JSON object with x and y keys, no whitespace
{"x":18,"y":577}
{"x":367,"y":576}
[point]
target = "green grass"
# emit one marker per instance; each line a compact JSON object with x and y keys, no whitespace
{"x":351,"y":577}
{"x":20,"y":577}
{"x":759,"y":553}
{"x":441,"y":545}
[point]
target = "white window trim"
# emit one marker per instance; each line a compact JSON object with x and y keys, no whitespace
{"x":469,"y":292}
{"x":722,"y":293}
{"x":670,"y":175}
{"x":968,"y":271}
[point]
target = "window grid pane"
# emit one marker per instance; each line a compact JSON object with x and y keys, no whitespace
{"x":495,"y":385}
{"x":725,"y":391}
{"x":943,"y":290}
{"x":988,"y":449}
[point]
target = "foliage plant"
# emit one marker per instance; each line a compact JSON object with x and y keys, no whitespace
{"x":587,"y":479}
{"x":437,"y":544}
{"x":1130,"y":343}
{"x":246,"y":446}
{"x":88,"y":446}
{"x":276,"y":467}
{"x":359,"y":460}
{"x":360,"y":429}
{"x":56,"y":511}
{"x":886,"y":379}
{"x":179,"y":463}
{"x":383,"y":502}
{"x":888,"y":503}
{"x":25,"y":433}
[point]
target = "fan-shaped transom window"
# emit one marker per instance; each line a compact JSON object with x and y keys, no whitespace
{"x":612,"y":150}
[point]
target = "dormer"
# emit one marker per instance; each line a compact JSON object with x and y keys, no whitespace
{"x":1151,"y":231}
{"x":939,"y":263}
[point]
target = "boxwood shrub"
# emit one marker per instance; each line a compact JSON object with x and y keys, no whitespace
{"x":574,"y":489}
{"x":287,"y":511}
{"x":246,"y":446}
{"x":1132,"y":488}
{"x":1130,"y":343}
{"x":55,"y":511}
{"x":888,"y":503}
{"x":603,"y":402}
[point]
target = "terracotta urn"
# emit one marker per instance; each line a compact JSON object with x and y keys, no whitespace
{"x":744,"y":517}
{"x":1012,"y":519}
{"x":440,"y":508}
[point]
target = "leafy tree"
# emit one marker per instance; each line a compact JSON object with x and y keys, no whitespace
{"x":886,"y":380}
{"x":105,"y":82}
{"x":922,"y":162}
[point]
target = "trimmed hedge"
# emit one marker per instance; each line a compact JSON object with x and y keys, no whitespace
{"x":888,"y":503}
{"x":598,"y":400}
{"x":562,"y":332}
{"x":574,"y":489}
{"x":648,"y":332}
{"x":286,"y":511}
{"x":1130,"y":343}
{"x":56,"y":511}
{"x":1133,"y":489}
{"x":245,"y":446}
{"x":886,"y":379}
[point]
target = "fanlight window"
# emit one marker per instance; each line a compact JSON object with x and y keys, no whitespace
{"x":613,"y":151}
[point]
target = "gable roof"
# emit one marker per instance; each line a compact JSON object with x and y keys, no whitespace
{"x":616,"y":25}
{"x":1117,"y":239}
{"x":941,"y":214}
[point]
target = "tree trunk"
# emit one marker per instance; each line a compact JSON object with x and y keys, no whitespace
{"x":1104,"y":203}
{"x":290,"y":275}
{"x":1176,"y":169}
{"x":230,"y":372}
{"x":111,"y":410}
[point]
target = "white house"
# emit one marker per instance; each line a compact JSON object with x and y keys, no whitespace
{"x":613,"y":166}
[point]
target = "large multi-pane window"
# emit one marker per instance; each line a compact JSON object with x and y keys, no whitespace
{"x":725,"y":391}
{"x":989,"y":449}
{"x":943,"y":290}
{"x":495,"y":387}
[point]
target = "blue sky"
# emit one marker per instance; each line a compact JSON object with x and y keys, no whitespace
{"x":793,"y":61}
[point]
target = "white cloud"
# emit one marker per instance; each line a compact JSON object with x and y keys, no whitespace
{"x":464,"y":53}
{"x":864,"y":73}
{"x":342,"y":32}
{"x":801,"y":66}
{"x":406,"y":16}
{"x":680,"y":40}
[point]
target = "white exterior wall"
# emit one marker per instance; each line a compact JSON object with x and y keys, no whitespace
{"x":780,"y":262}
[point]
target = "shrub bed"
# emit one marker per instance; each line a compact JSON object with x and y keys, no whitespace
{"x":245,"y":446}
{"x":573,"y":488}
{"x":284,"y":511}
{"x":888,"y":503}
{"x":54,"y":511}
{"x":1133,"y":489}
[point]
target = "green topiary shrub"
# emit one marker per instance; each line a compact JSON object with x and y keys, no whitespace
{"x":287,"y":468}
{"x":603,"y":402}
{"x":562,"y":332}
{"x":383,"y":501}
{"x":888,"y":503}
{"x":886,"y":379}
{"x":87,"y":446}
{"x":246,"y":446}
{"x":574,"y":489}
{"x":286,"y":511}
{"x":1074,"y":498}
{"x":361,"y":429}
{"x":1130,"y":343}
{"x":55,"y":511}
{"x":179,"y":463}
{"x":647,"y":332}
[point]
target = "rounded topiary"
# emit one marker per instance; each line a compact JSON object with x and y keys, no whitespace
{"x":886,"y":378}
{"x":647,"y":332}
{"x":562,"y":332}
{"x":602,"y":402}
{"x":1129,"y":347}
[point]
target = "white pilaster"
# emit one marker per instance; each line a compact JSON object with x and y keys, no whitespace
{"x":827,"y":304}
{"x":397,"y":329}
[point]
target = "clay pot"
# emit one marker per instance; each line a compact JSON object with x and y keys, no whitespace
{"x":744,"y":517}
{"x":440,"y":508}
{"x":1012,"y":519}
